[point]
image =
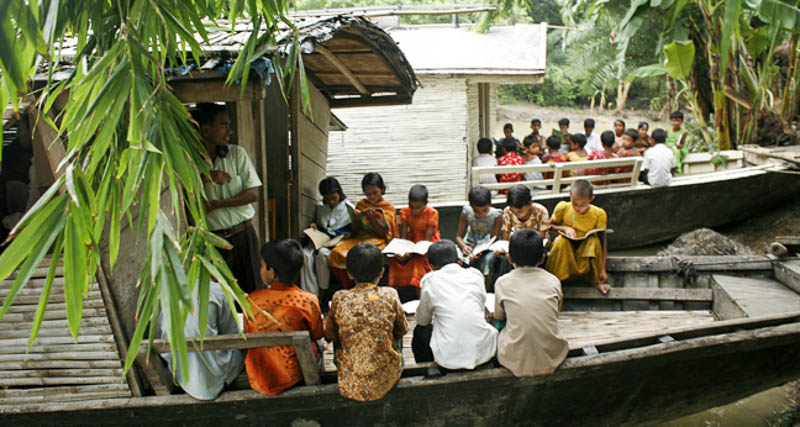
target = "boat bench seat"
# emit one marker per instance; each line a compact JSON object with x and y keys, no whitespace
{"x":56,"y":367}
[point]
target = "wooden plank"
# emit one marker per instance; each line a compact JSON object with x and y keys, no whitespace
{"x":646,"y":294}
{"x":305,"y":355}
{"x":58,"y":348}
{"x":788,"y":273}
{"x":50,"y":324}
{"x":34,"y":393}
{"x":60,"y":364}
{"x":48,"y":381}
{"x":724,"y":307}
{"x":67,"y":397}
{"x":333,"y":59}
{"x":759,"y":297}
{"x":650,"y":264}
{"x":590,"y":350}
{"x":34,"y":299}
{"x":59,"y":340}
{"x":637,"y":280}
{"x":55,"y":332}
{"x":77,"y":355}
{"x":195,"y":91}
{"x":47,"y":141}
{"x":665,"y":339}
{"x":231,"y":341}
{"x":36,"y":373}
{"x":25,"y":308}
{"x":29,"y":316}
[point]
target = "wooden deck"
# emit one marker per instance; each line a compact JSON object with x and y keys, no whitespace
{"x":584,"y":328}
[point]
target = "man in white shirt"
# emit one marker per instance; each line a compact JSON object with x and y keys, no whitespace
{"x":592,"y":138}
{"x":659,"y":160}
{"x":452,"y":301}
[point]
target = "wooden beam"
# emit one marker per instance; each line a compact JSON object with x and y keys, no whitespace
{"x":652,"y":264}
{"x":343,"y":68}
{"x":192,"y":91}
{"x":375,"y":100}
{"x":47,"y":141}
{"x":647,"y":294}
{"x":231,"y":341}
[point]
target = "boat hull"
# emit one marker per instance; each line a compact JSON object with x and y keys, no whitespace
{"x":644,"y":385}
{"x":643,"y":215}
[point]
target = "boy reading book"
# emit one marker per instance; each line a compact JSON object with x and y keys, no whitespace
{"x":584,"y":259}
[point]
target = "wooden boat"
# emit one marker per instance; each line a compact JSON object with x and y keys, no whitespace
{"x":674,"y":336}
{"x":642,"y":215}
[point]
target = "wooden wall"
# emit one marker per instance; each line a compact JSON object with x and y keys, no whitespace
{"x":309,"y":152}
{"x":421,"y":143}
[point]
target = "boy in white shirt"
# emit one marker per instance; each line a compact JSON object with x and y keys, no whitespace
{"x":659,"y":161}
{"x":452,"y":301}
{"x":485,"y":158}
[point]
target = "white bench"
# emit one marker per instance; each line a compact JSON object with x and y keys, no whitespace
{"x":629,"y":179}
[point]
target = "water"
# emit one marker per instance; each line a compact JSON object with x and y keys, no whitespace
{"x":759,"y":409}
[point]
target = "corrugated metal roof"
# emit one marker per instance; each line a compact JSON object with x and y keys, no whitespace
{"x":503,"y":50}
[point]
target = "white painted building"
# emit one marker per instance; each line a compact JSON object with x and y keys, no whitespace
{"x":432,"y":140}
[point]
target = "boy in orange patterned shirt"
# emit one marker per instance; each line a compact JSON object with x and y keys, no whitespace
{"x":272,"y":370}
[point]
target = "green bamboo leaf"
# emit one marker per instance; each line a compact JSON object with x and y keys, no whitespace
{"x":75,"y":274}
{"x":48,"y":285}
{"x":679,"y":59}
{"x":141,"y":327}
{"x":173,"y":319}
{"x":8,"y":62}
{"x":203,"y":290}
{"x":652,"y":70}
{"x":730,"y":29}
{"x":216,"y":240}
{"x":43,"y":199}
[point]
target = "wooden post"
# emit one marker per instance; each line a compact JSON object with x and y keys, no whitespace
{"x":343,"y":68}
{"x":637,"y":169}
{"x":557,"y":179}
{"x":305,"y":355}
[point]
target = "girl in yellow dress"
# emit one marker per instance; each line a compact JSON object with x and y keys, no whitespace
{"x":584,"y":259}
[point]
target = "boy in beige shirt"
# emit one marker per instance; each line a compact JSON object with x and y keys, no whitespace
{"x":529,"y":299}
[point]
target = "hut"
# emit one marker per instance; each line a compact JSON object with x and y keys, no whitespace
{"x":349,"y":62}
{"x":432,"y":140}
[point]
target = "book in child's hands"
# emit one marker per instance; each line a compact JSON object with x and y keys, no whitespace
{"x":490,"y":244}
{"x":402,"y":246}
{"x":322,"y":240}
{"x":588,"y":234}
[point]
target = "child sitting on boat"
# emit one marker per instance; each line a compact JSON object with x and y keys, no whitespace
{"x":485,"y":158}
{"x":282,"y":307}
{"x":577,"y":257}
{"x":332,"y":216}
{"x":659,"y":161}
{"x":451,"y":327}
{"x":520,"y":214}
{"x":369,"y":322}
{"x":209,"y":371}
{"x":578,"y":153}
{"x":418,"y":222}
{"x":479,"y":221}
{"x":374,"y":221}
{"x":607,"y":153}
{"x":553,"y":155}
{"x":511,"y":158}
{"x":676,"y":139}
{"x":529,"y":299}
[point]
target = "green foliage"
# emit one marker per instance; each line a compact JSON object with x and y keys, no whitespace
{"x":128,"y":141}
{"x":679,"y":56}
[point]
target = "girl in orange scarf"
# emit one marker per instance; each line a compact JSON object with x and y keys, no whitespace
{"x":374,"y":221}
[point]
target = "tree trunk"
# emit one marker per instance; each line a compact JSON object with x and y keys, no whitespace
{"x":790,"y":89}
{"x":622,"y":97}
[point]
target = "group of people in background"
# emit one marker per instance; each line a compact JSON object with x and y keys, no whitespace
{"x":663,"y":151}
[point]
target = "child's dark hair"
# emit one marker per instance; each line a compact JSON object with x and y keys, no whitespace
{"x":607,"y":138}
{"x":442,"y":253}
{"x":530,"y":139}
{"x":364,"y":262}
{"x":581,"y":188}
{"x":508,"y":126}
{"x":659,"y":135}
{"x":676,"y":115}
{"x":643,"y":124}
{"x":499,"y":151}
{"x":588,"y":123}
{"x":373,"y":178}
{"x":525,"y":248}
{"x":510,"y":144}
{"x":284,"y":256}
{"x":418,"y":193}
{"x":564,"y":122}
{"x":519,"y":196}
{"x":536,"y":122}
{"x":554,"y":142}
{"x":485,"y":146}
{"x":331,"y":185}
{"x":579,"y":139}
{"x":620,"y":121}
{"x":480,"y":196}
{"x":205,"y":112}
{"x":631,"y":132}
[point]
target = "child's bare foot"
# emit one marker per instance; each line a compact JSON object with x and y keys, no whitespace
{"x":603,"y":287}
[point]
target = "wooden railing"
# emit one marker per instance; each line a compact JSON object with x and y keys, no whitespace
{"x":625,"y":179}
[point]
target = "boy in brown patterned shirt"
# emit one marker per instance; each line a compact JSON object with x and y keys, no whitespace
{"x":368,"y":321}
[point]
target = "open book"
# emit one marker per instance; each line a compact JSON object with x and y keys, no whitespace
{"x":490,"y":244}
{"x":402,"y":246}
{"x":322,"y":240}
{"x":587,"y":235}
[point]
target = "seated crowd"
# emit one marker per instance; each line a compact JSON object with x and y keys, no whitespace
{"x":455,"y":327}
{"x":663,"y":151}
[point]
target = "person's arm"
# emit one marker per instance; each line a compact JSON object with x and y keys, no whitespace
{"x":462,"y":231}
{"x":569,"y":231}
{"x":331,"y":329}
{"x":400,"y":324}
{"x":682,"y":140}
{"x":316,"y":329}
{"x":355,"y":226}
{"x":403,"y":231}
{"x":429,"y":232}
{"x":244,"y":198}
{"x":498,"y":224}
{"x":377,"y":220}
{"x":424,"y":314}
{"x":499,"y":311}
